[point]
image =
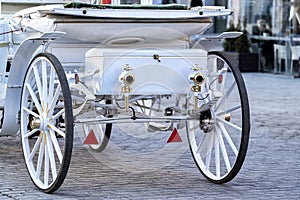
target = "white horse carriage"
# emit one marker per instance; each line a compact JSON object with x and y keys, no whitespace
{"x":98,"y":65}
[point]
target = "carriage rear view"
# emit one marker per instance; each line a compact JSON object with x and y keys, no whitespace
{"x":105,"y":66}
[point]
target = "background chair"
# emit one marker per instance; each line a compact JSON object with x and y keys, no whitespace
{"x":279,"y":55}
{"x":295,"y":58}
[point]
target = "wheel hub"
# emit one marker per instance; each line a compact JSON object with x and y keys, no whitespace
{"x":35,"y":123}
{"x":206,"y":121}
{"x":39,"y":123}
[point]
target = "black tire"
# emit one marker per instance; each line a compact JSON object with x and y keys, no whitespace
{"x":52,"y":122}
{"x":211,"y":141}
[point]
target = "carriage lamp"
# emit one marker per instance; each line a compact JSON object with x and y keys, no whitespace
{"x":196,"y":78}
{"x":126,"y":79}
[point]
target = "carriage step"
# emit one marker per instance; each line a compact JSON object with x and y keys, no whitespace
{"x":154,"y":126}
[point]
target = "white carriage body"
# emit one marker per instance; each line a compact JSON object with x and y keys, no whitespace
{"x":169,"y":72}
{"x":103,"y":40}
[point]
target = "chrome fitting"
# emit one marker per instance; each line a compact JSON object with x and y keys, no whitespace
{"x":196,"y":88}
{"x":197,"y":78}
{"x":196,"y":67}
{"x":127,"y":67}
{"x":127,"y":78}
{"x":126,"y":89}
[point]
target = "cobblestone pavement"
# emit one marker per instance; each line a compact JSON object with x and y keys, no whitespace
{"x":271,"y":169}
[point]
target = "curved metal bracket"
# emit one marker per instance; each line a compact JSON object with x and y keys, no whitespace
{"x":214,"y":43}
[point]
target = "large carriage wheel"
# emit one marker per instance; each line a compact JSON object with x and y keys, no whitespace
{"x":46,"y":122}
{"x":101,"y":131}
{"x":219,"y":138}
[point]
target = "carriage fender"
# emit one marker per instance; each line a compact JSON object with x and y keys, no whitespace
{"x":23,"y":56}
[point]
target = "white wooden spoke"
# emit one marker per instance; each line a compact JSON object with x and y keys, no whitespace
{"x":31,"y":112}
{"x":35,"y":148}
{"x":54,"y":128}
{"x":212,"y":143}
{"x":51,"y":83}
{"x":34,"y":98}
{"x":101,"y":134}
{"x":46,"y":165}
{"x":228,"y":92}
{"x":58,"y":114}
{"x":191,"y":133}
{"x":56,"y":145}
{"x":228,"y":138}
{"x":45,"y":84}
{"x":217,"y":159}
{"x":229,"y":110}
{"x":207,"y":161}
{"x":208,"y":157}
{"x":151,"y":110}
{"x":219,"y":102}
{"x":229,"y":124}
{"x":30,"y":133}
{"x":204,"y":146}
{"x":40,"y":157}
{"x":54,"y":100}
{"x":223,"y":150}
{"x":200,"y":145}
{"x":223,"y":81}
{"x":232,"y":86}
{"x":194,"y":127}
{"x":38,"y":81}
{"x":51,"y":156}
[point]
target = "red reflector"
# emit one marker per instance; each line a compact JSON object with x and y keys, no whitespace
{"x":220,"y":78}
{"x":175,"y":137}
{"x":76,"y":79}
{"x":91,"y":138}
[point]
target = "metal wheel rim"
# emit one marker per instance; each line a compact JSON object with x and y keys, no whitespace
{"x":220,"y":141}
{"x":46,"y":157}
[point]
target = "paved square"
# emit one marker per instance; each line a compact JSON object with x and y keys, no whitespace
{"x":271,"y":169}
